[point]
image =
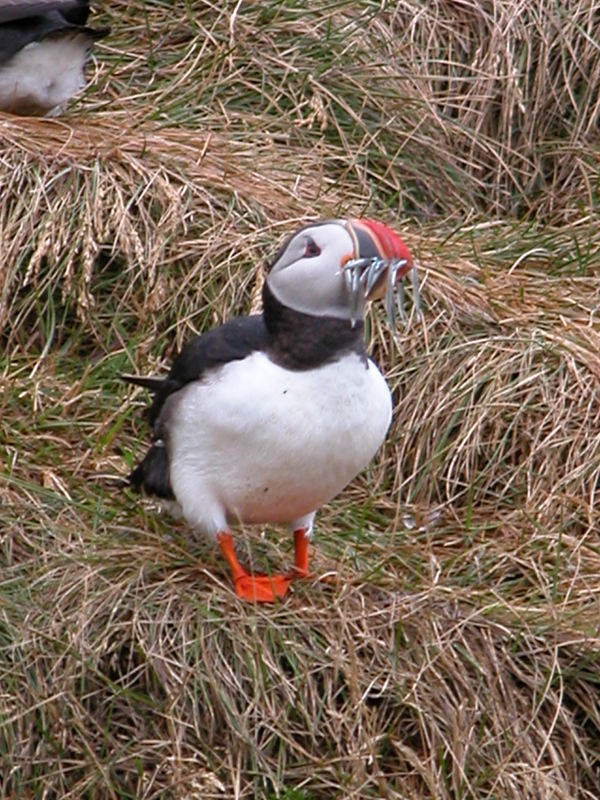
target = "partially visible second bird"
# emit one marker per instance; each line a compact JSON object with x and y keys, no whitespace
{"x":267,"y":417}
{"x":44,"y":47}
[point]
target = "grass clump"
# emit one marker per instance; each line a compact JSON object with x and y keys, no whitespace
{"x":454,"y":651}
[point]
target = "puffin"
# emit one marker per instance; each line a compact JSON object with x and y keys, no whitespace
{"x":44,"y":47}
{"x":266,"y":418}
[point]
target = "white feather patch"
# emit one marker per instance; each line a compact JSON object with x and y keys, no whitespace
{"x":44,"y":75}
{"x":257,"y":443}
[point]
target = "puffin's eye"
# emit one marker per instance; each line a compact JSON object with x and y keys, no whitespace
{"x":312,"y":249}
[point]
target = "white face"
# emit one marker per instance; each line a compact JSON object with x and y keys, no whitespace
{"x":308,"y":273}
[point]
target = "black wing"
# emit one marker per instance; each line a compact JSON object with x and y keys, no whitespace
{"x":74,"y":10}
{"x":232,"y":341}
{"x":26,"y":21}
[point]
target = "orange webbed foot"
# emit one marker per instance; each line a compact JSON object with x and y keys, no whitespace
{"x":254,"y":588}
{"x":262,"y":588}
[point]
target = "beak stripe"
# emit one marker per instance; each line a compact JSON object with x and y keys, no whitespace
{"x":389,"y":244}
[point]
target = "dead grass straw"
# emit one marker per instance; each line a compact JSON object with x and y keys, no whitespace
{"x":454,"y":652}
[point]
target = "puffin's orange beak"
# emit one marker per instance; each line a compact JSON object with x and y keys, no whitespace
{"x":376,"y":240}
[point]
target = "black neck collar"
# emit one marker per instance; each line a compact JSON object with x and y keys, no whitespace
{"x":301,"y":341}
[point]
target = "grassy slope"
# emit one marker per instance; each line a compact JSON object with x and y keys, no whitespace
{"x":456,"y":652}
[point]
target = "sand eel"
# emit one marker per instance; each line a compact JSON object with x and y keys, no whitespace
{"x":267,"y":417}
{"x":44,"y":47}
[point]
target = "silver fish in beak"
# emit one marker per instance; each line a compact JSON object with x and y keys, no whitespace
{"x":380,"y":270}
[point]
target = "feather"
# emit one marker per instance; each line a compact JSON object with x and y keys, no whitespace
{"x":154,"y":384}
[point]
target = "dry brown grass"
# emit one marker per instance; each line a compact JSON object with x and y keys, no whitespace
{"x":455,"y":654}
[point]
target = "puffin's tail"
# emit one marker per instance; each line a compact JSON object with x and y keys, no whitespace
{"x":154,"y":384}
{"x":151,"y":476}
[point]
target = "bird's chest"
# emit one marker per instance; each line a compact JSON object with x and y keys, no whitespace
{"x":278,"y":443}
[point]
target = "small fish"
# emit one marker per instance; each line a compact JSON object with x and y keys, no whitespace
{"x":364,"y":274}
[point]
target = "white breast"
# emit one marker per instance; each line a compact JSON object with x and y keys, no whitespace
{"x":258,"y":443}
{"x":44,"y":75}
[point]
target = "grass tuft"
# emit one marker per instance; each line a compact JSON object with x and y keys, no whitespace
{"x":453,"y":650}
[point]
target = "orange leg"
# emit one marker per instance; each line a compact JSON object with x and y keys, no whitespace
{"x":301,"y":541}
{"x":255,"y":588}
